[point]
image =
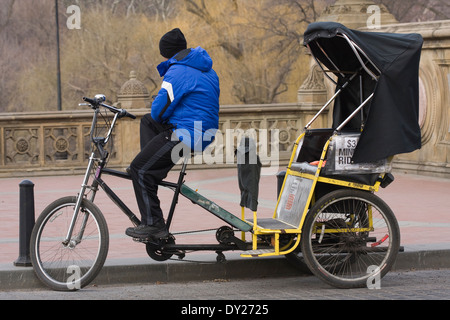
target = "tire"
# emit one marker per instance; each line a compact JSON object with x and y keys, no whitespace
{"x":72,"y":266}
{"x":346,"y":258}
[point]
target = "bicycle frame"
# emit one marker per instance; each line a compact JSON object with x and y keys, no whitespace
{"x":179,"y":188}
{"x":99,"y":142}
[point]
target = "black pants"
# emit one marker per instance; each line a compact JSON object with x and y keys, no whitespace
{"x":151,"y":166}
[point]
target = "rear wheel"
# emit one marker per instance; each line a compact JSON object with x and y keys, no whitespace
{"x":350,"y":238}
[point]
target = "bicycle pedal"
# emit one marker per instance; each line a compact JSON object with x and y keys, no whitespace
{"x":153,"y":241}
{"x":140,"y":240}
{"x":146,"y":240}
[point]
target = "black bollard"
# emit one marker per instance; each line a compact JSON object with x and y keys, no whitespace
{"x":26,"y":222}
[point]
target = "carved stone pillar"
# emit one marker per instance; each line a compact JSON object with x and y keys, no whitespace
{"x":313,"y":90}
{"x":133,"y":94}
{"x":311,"y":97}
{"x":354,"y":14}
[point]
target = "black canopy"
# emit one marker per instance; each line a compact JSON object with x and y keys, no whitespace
{"x":391,"y":117}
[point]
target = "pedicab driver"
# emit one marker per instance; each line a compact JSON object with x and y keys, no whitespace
{"x":186,"y":110}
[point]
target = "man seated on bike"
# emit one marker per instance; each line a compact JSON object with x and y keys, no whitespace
{"x":185,"y":110}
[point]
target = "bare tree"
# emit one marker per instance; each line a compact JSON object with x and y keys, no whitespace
{"x":216,"y":23}
{"x":5,"y":13}
{"x":256,"y":45}
{"x":262,"y":40}
{"x":161,"y":10}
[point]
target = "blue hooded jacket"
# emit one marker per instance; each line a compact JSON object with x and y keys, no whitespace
{"x":189,"y":97}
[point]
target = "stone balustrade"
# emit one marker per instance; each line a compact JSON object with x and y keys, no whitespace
{"x":59,"y":142}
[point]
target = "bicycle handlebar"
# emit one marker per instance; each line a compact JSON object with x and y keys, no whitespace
{"x":98,"y":101}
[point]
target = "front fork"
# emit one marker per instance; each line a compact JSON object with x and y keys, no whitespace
{"x":68,"y":240}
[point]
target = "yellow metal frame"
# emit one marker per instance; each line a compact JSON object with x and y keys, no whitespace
{"x":257,"y":230}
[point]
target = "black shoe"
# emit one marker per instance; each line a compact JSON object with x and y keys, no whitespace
{"x":156,"y":231}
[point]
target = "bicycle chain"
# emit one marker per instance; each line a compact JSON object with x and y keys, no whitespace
{"x":199,"y":231}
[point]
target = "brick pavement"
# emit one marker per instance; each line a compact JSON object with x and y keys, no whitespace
{"x":420,"y":203}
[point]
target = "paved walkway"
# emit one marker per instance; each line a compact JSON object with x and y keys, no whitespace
{"x":420,"y":203}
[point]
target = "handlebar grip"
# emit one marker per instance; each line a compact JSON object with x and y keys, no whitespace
{"x":125,"y":113}
{"x":97,"y":101}
{"x":89,"y":100}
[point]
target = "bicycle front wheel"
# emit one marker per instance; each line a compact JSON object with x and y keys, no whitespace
{"x":69,"y":265}
{"x":350,"y":238}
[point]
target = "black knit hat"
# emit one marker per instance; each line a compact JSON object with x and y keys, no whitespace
{"x":171,"y":43}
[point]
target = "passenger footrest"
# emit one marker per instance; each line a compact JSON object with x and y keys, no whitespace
{"x":258,"y":252}
{"x":273,"y":224}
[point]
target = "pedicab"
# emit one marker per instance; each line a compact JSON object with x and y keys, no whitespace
{"x":327,"y":218}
